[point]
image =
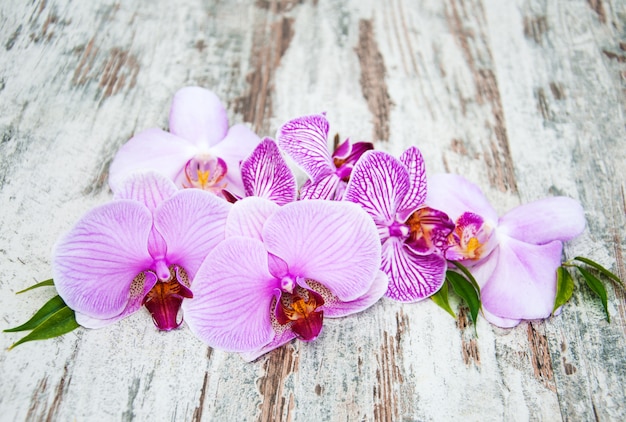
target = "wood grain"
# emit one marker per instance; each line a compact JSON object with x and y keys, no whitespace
{"x":526,"y":98}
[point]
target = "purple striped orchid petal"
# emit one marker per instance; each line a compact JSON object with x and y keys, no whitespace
{"x":266,"y":174}
{"x":198,"y":115}
{"x":305,"y":139}
{"x":334,"y":243}
{"x":414,"y":162}
{"x":520,"y":282}
{"x":346,"y":156}
{"x":379,"y":184}
{"x":412,"y":277}
{"x":539,"y":222}
{"x":150,"y":150}
{"x":149,"y":188}
{"x":321,"y":188}
{"x":108,"y":243}
{"x":334,"y":308}
{"x":248,"y":216}
{"x":233,"y":297}
{"x":192,"y":224}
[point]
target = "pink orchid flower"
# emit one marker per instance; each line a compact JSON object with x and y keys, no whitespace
{"x":514,"y":258}
{"x":143,"y":248}
{"x":281,"y":270}
{"x":199,"y":151}
{"x":305,"y":139}
{"x":412,"y":234}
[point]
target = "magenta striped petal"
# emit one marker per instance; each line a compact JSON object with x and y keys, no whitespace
{"x":322,"y":188}
{"x":247,"y":217}
{"x":94,"y":264}
{"x":198,"y":115}
{"x":232,"y":297}
{"x":305,"y":139}
{"x":379,"y":184}
{"x":414,"y":162}
{"x":266,"y":174}
{"x":412,"y":277}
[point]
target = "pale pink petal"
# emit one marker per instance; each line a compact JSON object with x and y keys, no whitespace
{"x":522,"y":284}
{"x":94,"y":265}
{"x":305,"y":139}
{"x":198,"y":116}
{"x":455,"y":195}
{"x":247,"y":217}
{"x":412,"y":277}
{"x":234,"y":148}
{"x":500,"y":322}
{"x":376,"y":291}
{"x":148,"y":188}
{"x":266,"y":174}
{"x":414,"y":162}
{"x":233,"y":292}
{"x":150,"y":150}
{"x":557,"y":218}
{"x":322,"y":188}
{"x":379,"y":183}
{"x":192,"y":224}
{"x":332,"y":242}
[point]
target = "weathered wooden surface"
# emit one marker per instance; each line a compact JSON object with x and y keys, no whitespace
{"x":525,"y":97}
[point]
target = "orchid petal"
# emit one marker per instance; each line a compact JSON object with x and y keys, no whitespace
{"x":150,"y":189}
{"x":198,"y":115}
{"x":414,"y":162}
{"x":376,"y":291}
{"x":232,"y":297}
{"x":281,"y":339}
{"x":322,"y":188}
{"x":152,"y":149}
{"x":412,"y":277}
{"x":500,"y":322}
{"x":522,"y":283}
{"x":94,"y":265}
{"x":237,"y":145}
{"x":455,"y":195}
{"x":192,"y":224}
{"x":379,"y":183}
{"x":305,"y":139}
{"x":539,"y":222}
{"x":334,"y":243}
{"x":247,"y":217}
{"x":266,"y":174}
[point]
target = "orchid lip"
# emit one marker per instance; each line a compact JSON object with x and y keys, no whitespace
{"x":164,"y":300}
{"x":205,"y":172}
{"x":301,"y":311}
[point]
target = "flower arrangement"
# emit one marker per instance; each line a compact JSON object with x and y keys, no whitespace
{"x":188,"y":204}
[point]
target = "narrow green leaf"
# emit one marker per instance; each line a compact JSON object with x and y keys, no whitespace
{"x":601,"y":269}
{"x":465,"y":289}
{"x":564,"y":288}
{"x":50,"y":308}
{"x":61,"y":322}
{"x":49,"y":282}
{"x":467,"y":274}
{"x":441,"y":299}
{"x":597,"y":287}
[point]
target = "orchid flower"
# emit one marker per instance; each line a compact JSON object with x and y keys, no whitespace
{"x":199,"y":151}
{"x":305,"y":139}
{"x":281,"y":270}
{"x":266,"y":174}
{"x":412,"y":234}
{"x":514,"y":258}
{"x":143,"y":248}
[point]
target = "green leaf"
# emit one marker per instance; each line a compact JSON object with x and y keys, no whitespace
{"x":61,"y":322}
{"x":467,"y":274}
{"x":51,"y":307}
{"x":601,"y":269}
{"x":465,"y":289}
{"x":441,"y":299}
{"x":49,"y":282}
{"x":597,"y":287}
{"x":564,"y":288}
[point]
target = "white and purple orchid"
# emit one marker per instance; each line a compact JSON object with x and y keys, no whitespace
{"x":143,"y":248}
{"x":412,"y":234}
{"x":281,"y":270}
{"x":305,"y":140}
{"x":199,"y":151}
{"x":514,"y":258}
